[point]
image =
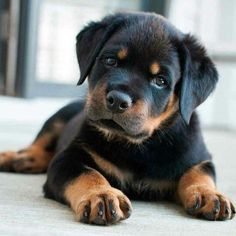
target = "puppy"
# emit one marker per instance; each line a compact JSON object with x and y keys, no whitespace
{"x":137,"y":134}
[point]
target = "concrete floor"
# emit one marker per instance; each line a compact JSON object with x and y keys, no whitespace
{"x":24,"y":211}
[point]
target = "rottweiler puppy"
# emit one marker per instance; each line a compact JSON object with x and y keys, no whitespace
{"x":137,"y":134}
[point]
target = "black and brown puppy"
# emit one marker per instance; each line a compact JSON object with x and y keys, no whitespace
{"x":137,"y":134}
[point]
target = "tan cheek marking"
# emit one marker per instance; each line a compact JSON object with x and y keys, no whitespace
{"x":139,"y":107}
{"x":122,"y":54}
{"x":88,"y":100}
{"x":155,"y":68}
{"x":154,"y":122}
{"x":96,"y":97}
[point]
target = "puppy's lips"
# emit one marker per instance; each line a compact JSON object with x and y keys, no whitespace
{"x":109,"y":123}
{"x":112,"y":125}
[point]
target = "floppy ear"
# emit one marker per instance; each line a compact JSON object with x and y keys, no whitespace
{"x":199,"y":76}
{"x":91,"y":40}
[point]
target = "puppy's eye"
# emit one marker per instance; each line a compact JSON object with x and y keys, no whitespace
{"x":110,"y":61}
{"x":160,"y":81}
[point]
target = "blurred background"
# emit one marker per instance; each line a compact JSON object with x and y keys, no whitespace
{"x":38,"y":65}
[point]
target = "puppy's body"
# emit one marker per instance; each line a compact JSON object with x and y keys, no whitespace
{"x":136,"y":134}
{"x":147,"y":171}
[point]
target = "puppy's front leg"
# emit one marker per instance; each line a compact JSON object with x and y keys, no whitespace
{"x":89,"y":194}
{"x":198,"y":194}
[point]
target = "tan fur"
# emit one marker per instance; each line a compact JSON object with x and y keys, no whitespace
{"x":96,"y":100}
{"x":109,"y":167}
{"x":154,"y":68}
{"x":139,"y":108}
{"x":78,"y":189}
{"x":45,"y":139}
{"x":96,"y":95}
{"x":127,"y":178}
{"x":40,"y":158}
{"x":36,"y":157}
{"x":122,"y":54}
{"x":194,"y":177}
{"x":196,"y":186}
{"x":153,"y":123}
{"x":33,"y":160}
{"x":6,"y":157}
{"x":88,"y":100}
{"x":91,"y":189}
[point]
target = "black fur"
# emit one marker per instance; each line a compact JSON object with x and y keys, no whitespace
{"x":64,"y":115}
{"x":199,"y":76}
{"x":170,"y":151}
{"x":91,"y":40}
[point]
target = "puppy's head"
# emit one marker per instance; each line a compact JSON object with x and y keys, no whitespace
{"x":142,"y":73}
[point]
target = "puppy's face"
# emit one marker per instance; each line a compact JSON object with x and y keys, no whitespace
{"x":133,"y":80}
{"x":131,"y":87}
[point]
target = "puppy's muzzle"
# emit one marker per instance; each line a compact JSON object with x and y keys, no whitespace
{"x":118,"y":102}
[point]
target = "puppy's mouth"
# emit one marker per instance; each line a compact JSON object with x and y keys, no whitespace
{"x":110,"y":124}
{"x":115,"y":128}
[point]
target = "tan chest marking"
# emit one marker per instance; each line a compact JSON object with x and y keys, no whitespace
{"x":108,"y":167}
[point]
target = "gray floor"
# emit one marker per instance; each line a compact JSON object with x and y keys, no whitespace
{"x":24,"y":211}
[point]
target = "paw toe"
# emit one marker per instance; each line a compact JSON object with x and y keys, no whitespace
{"x":211,"y":209}
{"x":104,"y":208}
{"x":210,"y":206}
{"x":193,"y":205}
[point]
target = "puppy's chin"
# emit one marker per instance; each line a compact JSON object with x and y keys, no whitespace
{"x":112,"y":130}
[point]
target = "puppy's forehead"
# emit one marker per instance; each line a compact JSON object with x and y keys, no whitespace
{"x":148,"y":45}
{"x":148,"y":38}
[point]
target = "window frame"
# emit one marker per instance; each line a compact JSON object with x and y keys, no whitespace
{"x":26,"y":83}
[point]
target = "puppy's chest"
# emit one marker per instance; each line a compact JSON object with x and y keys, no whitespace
{"x":139,"y":181}
{"x":138,"y":186}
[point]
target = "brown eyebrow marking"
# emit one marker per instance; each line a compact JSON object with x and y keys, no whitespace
{"x":154,"y":68}
{"x":122,"y":53}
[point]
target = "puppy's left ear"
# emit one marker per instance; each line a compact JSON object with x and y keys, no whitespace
{"x":90,"y":41}
{"x":198,"y":79}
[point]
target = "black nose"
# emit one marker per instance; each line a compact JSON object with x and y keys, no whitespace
{"x":118,"y":102}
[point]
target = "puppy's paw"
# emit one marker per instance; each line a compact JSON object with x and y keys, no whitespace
{"x":209,"y":204}
{"x":7,"y":159}
{"x":103,"y":206}
{"x":30,"y":160}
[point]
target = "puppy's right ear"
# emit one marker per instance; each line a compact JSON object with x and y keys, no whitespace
{"x":91,"y":40}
